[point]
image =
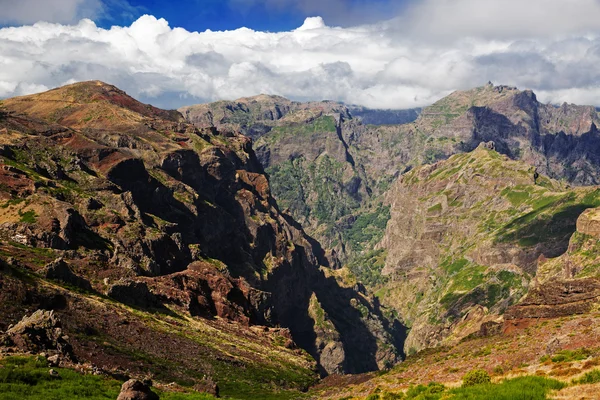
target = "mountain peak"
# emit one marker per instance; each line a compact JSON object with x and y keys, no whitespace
{"x":87,"y":104}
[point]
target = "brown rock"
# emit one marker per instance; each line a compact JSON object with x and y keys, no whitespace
{"x":136,"y":390}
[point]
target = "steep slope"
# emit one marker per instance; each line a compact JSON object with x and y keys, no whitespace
{"x":304,"y":149}
{"x":329,"y":169}
{"x":551,"y":333}
{"x":464,"y":241}
{"x":156,"y":213}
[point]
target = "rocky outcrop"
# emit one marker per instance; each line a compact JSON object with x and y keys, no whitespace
{"x":133,"y":293}
{"x":38,"y":332}
{"x":589,"y":222}
{"x":464,"y":236}
{"x":169,"y":214}
{"x":556,"y":299}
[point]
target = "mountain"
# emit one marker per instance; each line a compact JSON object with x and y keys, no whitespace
{"x":369,"y":116}
{"x":161,"y":249}
{"x":252,"y":247}
{"x":465,"y":238}
{"x":331,"y":170}
{"x":545,"y":346}
{"x":462,"y":236}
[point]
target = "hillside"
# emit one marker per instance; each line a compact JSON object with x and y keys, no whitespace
{"x":465,"y":238}
{"x":544,"y":346}
{"x":162,"y":251}
{"x":331,"y":170}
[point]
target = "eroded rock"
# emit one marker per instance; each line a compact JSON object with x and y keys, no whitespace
{"x":41,"y":331}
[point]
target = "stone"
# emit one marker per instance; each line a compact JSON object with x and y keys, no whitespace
{"x":136,"y":390}
{"x":59,"y":270}
{"x":54,"y":360}
{"x":53,"y":373}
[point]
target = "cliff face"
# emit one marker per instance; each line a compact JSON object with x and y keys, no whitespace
{"x":342,"y":180}
{"x":157,"y":213}
{"x":330,"y":170}
{"x":465,"y":237}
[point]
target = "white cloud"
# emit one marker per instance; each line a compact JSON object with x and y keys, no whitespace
{"x":434,"y":47}
{"x":61,"y":11}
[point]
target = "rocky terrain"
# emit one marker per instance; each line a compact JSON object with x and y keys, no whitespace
{"x":151,"y":238}
{"x":330,"y":169}
{"x":464,"y":238}
{"x":250,"y":247}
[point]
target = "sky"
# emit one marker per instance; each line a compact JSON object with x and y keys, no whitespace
{"x":380,"y":53}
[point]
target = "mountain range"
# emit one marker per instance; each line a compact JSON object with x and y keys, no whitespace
{"x":257,"y":247}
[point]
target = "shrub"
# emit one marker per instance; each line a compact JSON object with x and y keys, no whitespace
{"x":476,"y":377}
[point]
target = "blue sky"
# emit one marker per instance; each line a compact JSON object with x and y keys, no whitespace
{"x":263,"y":15}
{"x":216,"y":15}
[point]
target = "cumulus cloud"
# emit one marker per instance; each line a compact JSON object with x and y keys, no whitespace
{"x":430,"y":49}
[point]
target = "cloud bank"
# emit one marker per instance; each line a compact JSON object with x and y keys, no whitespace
{"x":413,"y":59}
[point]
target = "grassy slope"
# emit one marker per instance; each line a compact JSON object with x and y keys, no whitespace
{"x":484,"y":203}
{"x":573,"y":361}
{"x":246,"y":364}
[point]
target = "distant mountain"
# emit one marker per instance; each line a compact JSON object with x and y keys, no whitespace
{"x":370,"y":116}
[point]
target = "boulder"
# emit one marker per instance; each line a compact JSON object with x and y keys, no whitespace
{"x":41,"y":331}
{"x":59,"y":270}
{"x":136,"y":390}
{"x":133,"y":293}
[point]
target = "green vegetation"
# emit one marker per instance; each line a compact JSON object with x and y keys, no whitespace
{"x":314,"y":189}
{"x":589,"y":377}
{"x":28,"y":217}
{"x":476,"y":377}
{"x":552,"y":216}
{"x":523,"y":388}
{"x":568,"y":356}
{"x":28,"y":377}
{"x":324,"y":123}
{"x":367,"y":268}
{"x":367,"y":229}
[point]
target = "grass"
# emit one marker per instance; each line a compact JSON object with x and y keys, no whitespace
{"x":522,"y":388}
{"x":28,"y":378}
{"x":28,"y":217}
{"x":568,"y":356}
{"x":589,"y":377}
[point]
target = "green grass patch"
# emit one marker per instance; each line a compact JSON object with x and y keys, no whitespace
{"x":522,"y":388}
{"x":589,"y":377}
{"x":28,"y":217}
{"x":568,"y":356}
{"x":367,"y":268}
{"x":29,"y":378}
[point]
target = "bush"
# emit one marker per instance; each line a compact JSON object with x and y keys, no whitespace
{"x":476,"y":377}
